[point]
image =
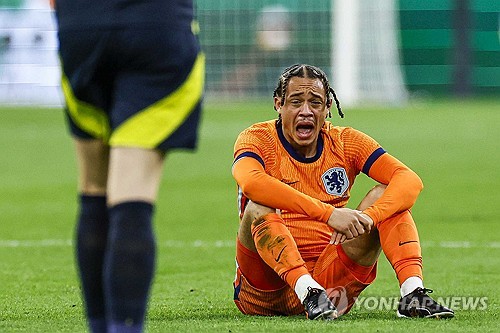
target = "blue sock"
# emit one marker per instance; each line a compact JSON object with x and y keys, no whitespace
{"x":91,"y":237}
{"x":129,"y":265}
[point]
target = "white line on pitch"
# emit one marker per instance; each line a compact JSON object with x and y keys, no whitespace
{"x":4,"y":243}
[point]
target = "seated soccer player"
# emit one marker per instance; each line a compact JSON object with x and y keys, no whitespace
{"x":299,"y":249}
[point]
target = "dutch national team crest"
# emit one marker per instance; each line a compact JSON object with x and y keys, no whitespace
{"x":335,"y":181}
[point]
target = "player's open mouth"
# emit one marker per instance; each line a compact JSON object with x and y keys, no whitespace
{"x":304,"y":130}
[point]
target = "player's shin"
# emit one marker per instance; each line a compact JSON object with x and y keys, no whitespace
{"x":91,"y":236}
{"x":278,"y":250}
{"x":401,"y":245}
{"x":129,"y":265}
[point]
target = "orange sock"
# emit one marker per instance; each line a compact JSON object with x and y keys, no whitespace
{"x":401,"y":245}
{"x":278,"y":249}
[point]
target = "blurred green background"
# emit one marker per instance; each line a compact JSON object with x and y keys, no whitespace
{"x":429,"y":40}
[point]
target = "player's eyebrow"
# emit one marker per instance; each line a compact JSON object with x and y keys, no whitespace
{"x":296,"y":94}
{"x":300,"y":93}
{"x":317,"y":95}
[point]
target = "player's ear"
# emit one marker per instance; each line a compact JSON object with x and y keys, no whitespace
{"x":328,"y":107}
{"x":329,"y":104}
{"x":277,"y":104}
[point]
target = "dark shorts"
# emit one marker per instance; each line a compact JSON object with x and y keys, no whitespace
{"x":134,"y":87}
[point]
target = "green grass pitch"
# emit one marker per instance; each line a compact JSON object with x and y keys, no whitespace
{"x":452,"y":145}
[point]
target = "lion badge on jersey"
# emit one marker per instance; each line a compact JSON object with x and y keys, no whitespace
{"x":335,"y":181}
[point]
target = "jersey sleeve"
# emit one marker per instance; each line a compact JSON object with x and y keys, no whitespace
{"x":266,"y":190}
{"x":403,"y":187}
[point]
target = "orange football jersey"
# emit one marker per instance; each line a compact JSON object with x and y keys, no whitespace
{"x":342,"y":153}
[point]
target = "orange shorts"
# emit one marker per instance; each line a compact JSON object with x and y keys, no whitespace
{"x":258,"y":290}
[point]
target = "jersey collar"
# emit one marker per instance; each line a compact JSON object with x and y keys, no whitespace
{"x":288,"y":147}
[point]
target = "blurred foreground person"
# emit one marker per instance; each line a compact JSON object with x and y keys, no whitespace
{"x":133,"y":80}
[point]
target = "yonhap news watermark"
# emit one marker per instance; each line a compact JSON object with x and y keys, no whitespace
{"x":465,"y":303}
{"x":340,"y":298}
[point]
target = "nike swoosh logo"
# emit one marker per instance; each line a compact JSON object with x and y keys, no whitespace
{"x":277,"y":259}
{"x":403,"y":243}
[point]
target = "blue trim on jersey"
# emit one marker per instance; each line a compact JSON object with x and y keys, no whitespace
{"x":372,"y":158}
{"x":293,"y":153}
{"x":250,"y":154}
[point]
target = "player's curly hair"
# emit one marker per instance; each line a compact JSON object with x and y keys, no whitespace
{"x":307,"y":71}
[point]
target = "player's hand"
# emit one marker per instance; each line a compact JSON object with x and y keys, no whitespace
{"x":348,"y":224}
{"x":366,"y":221}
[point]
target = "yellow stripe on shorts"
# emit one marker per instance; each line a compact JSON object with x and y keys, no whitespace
{"x":148,"y":128}
{"x":87,"y":117}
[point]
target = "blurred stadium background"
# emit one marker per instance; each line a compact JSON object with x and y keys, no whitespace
{"x":442,"y":47}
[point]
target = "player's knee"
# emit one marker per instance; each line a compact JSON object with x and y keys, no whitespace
{"x":255,"y":213}
{"x":259,"y":220}
{"x":252,"y":217}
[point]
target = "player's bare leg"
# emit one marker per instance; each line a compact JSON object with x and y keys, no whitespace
{"x":253,"y":212}
{"x":92,"y":159}
{"x":134,"y":174}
